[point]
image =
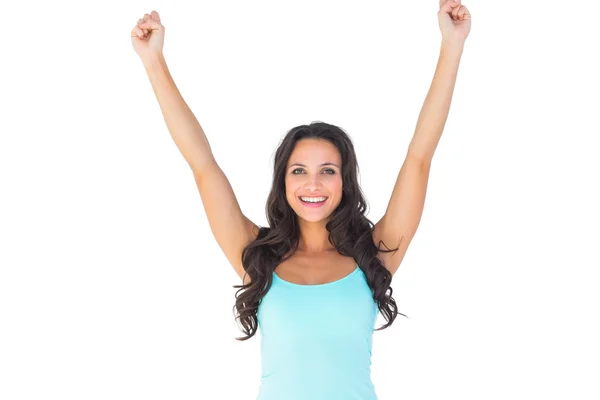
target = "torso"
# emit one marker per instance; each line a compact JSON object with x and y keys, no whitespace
{"x":316,"y":342}
{"x":306,"y":269}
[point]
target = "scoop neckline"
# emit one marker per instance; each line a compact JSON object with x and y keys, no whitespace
{"x":318,"y":284}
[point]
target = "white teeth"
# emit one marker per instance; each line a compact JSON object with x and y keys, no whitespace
{"x":313,"y":199}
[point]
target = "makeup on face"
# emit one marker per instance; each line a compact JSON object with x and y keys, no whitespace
{"x":313,"y":204}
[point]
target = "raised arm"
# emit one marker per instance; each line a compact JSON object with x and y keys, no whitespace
{"x":402,"y":217}
{"x":230,"y":227}
{"x":186,"y":131}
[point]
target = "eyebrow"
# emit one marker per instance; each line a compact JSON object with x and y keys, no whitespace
{"x":302,"y":165}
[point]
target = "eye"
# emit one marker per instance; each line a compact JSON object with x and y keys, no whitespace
{"x":330,"y":171}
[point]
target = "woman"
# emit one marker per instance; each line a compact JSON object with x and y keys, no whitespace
{"x":314,"y":280}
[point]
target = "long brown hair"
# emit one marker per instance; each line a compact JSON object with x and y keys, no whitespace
{"x":350,"y":231}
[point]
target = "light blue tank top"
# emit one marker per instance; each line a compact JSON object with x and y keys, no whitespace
{"x":316,"y":340}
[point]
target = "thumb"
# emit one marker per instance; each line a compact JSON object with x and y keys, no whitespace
{"x":447,"y":6}
{"x":152,"y":25}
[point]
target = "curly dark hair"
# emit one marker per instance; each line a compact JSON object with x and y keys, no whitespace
{"x":350,"y":231}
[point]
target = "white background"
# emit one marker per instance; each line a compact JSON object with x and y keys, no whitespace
{"x":112,"y":285}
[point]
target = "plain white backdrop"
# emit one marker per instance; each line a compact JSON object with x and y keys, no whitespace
{"x":112,"y":285}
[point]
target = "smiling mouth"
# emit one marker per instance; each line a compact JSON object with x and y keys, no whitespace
{"x":314,"y":202}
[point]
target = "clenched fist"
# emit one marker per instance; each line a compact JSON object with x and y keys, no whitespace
{"x":148,"y":36}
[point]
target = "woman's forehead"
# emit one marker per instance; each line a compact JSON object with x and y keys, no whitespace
{"x":314,"y":151}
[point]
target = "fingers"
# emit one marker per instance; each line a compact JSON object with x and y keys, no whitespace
{"x":460,"y":13}
{"x":448,"y":6}
{"x":455,"y":12}
{"x":140,"y":28}
{"x":455,"y":9}
{"x":149,"y":23}
{"x":137,"y":31}
{"x":145,"y":24}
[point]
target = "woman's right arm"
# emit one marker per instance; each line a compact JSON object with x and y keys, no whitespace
{"x":230,"y":227}
{"x":181,"y":122}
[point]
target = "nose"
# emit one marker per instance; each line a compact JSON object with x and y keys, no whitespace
{"x":313,"y":183}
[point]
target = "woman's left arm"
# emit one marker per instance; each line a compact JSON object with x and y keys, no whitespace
{"x":399,"y":224}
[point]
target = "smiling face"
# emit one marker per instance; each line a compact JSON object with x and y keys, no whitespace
{"x":314,"y":169}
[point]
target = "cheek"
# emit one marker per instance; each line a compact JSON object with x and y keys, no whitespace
{"x":292,"y":183}
{"x":336,"y":185}
{"x":290,"y":188}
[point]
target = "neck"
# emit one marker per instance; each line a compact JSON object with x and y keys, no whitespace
{"x":314,"y":238}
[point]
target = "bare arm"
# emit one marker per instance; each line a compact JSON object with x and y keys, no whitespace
{"x":231,"y":229}
{"x":181,"y":122}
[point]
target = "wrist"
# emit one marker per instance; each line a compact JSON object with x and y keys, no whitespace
{"x":453,"y":45}
{"x":153,"y":59}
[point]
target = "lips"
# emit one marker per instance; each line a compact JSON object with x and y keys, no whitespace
{"x":313,"y":205}
{"x":313,"y":197}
